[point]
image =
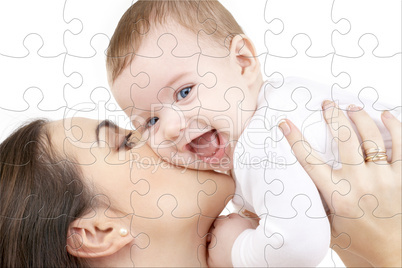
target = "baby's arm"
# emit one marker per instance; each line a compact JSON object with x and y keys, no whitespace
{"x":225,"y":230}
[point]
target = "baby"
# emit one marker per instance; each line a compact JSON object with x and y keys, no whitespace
{"x":190,"y":81}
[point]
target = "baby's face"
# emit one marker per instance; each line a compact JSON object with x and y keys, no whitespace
{"x":190,"y":107}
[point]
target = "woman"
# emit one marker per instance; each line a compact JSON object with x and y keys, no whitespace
{"x":81,"y":193}
{"x":74,"y":193}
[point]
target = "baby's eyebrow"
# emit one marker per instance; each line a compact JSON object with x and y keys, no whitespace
{"x":104,"y":123}
{"x":177,"y":77}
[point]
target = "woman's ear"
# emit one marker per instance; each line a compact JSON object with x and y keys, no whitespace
{"x":244,"y":54}
{"x":96,"y":237}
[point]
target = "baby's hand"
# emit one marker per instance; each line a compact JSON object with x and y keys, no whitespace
{"x":224,"y":231}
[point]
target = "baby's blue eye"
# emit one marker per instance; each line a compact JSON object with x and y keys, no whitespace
{"x":183,"y":93}
{"x":152,"y":121}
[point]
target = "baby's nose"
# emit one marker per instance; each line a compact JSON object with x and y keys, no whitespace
{"x":173,"y":125}
{"x":172,"y":130}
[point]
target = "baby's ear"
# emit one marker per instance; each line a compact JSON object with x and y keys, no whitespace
{"x":242,"y":50}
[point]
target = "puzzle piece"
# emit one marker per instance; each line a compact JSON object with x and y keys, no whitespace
{"x":388,"y":68}
{"x":93,"y":75}
{"x":292,"y":15}
{"x":53,"y":66}
{"x":368,"y":17}
{"x":44,"y":18}
{"x":295,"y":64}
{"x":51,"y":86}
{"x":91,"y":15}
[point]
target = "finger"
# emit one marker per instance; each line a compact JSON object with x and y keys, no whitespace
{"x":319,"y":172}
{"x":367,"y":129}
{"x":394,"y":127}
{"x":342,"y":130}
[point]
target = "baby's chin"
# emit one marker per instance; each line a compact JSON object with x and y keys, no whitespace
{"x":223,"y":164}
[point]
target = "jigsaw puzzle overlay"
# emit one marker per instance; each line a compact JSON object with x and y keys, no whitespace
{"x":52,"y":61}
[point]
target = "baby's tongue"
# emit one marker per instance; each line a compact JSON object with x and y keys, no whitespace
{"x":206,"y":145}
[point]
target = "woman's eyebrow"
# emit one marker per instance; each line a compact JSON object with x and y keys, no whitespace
{"x":104,"y":123}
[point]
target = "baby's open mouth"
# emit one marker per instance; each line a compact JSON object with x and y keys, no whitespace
{"x":207,"y":146}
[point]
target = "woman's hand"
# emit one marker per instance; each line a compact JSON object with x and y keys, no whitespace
{"x":364,"y":196}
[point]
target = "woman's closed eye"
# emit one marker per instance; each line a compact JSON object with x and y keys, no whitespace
{"x":127,"y":143}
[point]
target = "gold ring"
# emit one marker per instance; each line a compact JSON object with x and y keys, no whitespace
{"x":376,"y":157}
{"x":375,"y":151}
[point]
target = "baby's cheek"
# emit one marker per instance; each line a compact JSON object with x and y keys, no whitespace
{"x":168,"y":152}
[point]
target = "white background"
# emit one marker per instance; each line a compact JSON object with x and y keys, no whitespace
{"x":52,"y":52}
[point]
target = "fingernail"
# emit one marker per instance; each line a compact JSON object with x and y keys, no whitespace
{"x":284,"y":127}
{"x":327,"y":104}
{"x":352,"y":107}
{"x":387,"y":114}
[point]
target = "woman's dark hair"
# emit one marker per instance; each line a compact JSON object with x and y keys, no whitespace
{"x":41,"y":193}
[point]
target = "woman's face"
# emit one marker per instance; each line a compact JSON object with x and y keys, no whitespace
{"x":165,"y":202}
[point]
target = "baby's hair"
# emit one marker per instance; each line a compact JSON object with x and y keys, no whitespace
{"x":194,"y":15}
